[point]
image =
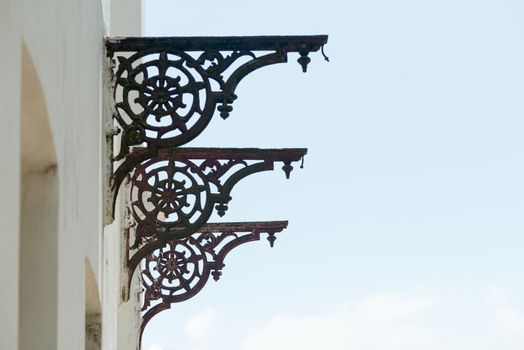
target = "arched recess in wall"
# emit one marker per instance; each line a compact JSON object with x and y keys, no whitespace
{"x":39,"y":208}
{"x":93,"y":321}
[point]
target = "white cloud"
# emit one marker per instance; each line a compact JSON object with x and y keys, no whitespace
{"x":390,"y":308}
{"x":199,"y":327}
{"x":510,"y":322}
{"x":155,"y":347}
{"x":496,"y":295}
{"x":375,"y":323}
{"x":482,"y":319}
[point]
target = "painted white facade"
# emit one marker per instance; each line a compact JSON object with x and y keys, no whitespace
{"x":60,"y":281}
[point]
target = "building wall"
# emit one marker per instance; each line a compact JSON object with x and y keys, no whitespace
{"x":9,"y":175}
{"x":52,"y":220}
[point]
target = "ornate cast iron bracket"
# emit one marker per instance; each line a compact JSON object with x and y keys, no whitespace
{"x":178,"y":270}
{"x":173,"y":194}
{"x":166,"y":90}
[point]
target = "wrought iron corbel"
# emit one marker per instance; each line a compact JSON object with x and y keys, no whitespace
{"x":178,"y":270}
{"x":173,"y":194}
{"x":167,"y":89}
{"x":165,"y":92}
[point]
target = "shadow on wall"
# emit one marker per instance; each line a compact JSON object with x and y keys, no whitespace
{"x":39,"y":217}
{"x":93,"y":325}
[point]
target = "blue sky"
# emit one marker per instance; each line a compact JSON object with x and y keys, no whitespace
{"x":406,"y":222}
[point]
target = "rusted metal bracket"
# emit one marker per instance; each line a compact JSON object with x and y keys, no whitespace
{"x":165,"y":92}
{"x":173,"y":194}
{"x":167,"y":89}
{"x":177,"y":270}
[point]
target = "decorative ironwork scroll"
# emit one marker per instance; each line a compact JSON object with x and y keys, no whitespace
{"x":173,"y":195}
{"x":178,"y":270}
{"x":166,"y":90}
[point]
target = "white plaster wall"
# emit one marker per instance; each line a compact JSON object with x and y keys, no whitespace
{"x":38,"y":262}
{"x":65,"y":41}
{"x":125,"y":19}
{"x":9,"y":174}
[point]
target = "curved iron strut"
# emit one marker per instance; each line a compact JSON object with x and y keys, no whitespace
{"x":165,"y":92}
{"x":177,"y":270}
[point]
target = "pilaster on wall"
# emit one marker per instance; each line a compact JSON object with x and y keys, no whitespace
{"x":120,"y":319}
{"x":122,"y":18}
